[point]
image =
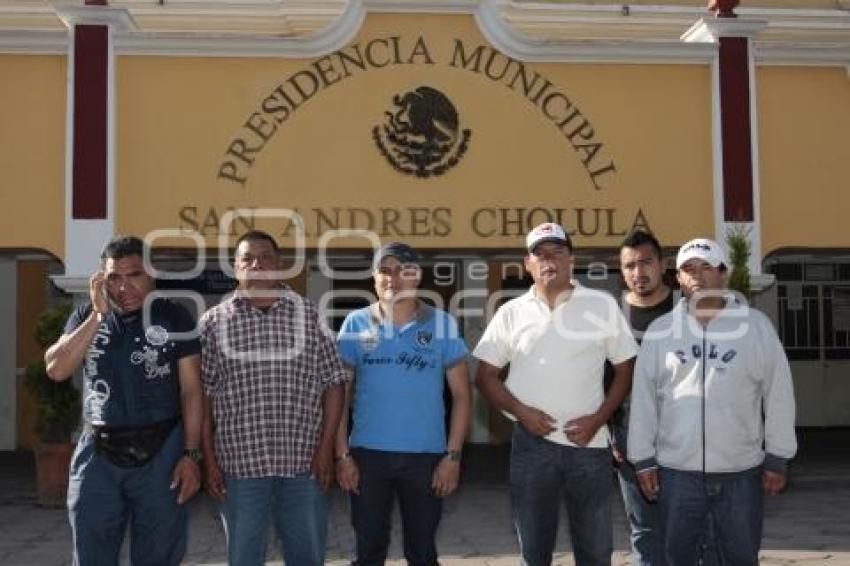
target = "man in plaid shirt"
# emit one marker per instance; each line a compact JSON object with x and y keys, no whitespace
{"x":274,"y":383}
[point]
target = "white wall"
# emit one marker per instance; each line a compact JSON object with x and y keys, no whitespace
{"x":822,"y":392}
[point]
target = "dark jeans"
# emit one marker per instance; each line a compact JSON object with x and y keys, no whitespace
{"x":733,"y":502}
{"x":542,"y":475}
{"x":103,"y":497}
{"x":642,"y":514}
{"x":383,"y":477}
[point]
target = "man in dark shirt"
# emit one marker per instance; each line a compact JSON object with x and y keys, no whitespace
{"x":647,"y":298}
{"x":138,"y":457}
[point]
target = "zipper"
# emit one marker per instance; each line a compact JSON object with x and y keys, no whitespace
{"x":703,"y":403}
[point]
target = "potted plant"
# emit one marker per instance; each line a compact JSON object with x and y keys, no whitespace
{"x":739,"y":256}
{"x":58,"y":414}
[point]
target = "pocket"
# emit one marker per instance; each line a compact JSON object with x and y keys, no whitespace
{"x":530,"y":453}
{"x":521,"y":440}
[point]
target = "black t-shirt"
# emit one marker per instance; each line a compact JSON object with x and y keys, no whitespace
{"x":639,"y":319}
{"x":130,"y":371}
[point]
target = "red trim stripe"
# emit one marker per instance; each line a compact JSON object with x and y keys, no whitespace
{"x":735,"y":127}
{"x":91,"y":52}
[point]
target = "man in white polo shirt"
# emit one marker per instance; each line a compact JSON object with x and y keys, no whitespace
{"x":556,"y":339}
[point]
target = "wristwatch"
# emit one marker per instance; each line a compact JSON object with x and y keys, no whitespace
{"x":193,"y":454}
{"x":453,"y":455}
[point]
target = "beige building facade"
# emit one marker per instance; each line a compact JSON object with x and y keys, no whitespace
{"x":454,"y":125}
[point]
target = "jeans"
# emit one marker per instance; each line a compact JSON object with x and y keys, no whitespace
{"x":298,"y":507}
{"x":642,"y":514}
{"x":383,"y":477}
{"x":102,"y":497}
{"x":708,"y":553}
{"x":733,"y":502}
{"x":542,"y":474}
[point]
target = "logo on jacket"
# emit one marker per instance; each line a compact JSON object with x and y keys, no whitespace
{"x":369,"y":339}
{"x":422,"y":135}
{"x":149,"y":358}
{"x":95,"y":400}
{"x":156,"y":335}
{"x":423,"y":338}
{"x":713,"y":353}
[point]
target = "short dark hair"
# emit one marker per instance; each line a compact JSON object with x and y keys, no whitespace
{"x":640,"y":237}
{"x":121,"y":247}
{"x":257,"y":236}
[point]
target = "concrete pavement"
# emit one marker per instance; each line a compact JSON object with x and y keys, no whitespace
{"x":807,"y":525}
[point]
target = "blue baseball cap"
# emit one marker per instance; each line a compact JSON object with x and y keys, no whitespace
{"x":401,"y":251}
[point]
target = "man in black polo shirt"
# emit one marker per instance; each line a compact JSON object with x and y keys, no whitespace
{"x":138,"y":457}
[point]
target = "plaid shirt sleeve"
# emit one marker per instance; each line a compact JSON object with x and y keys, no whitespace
{"x":331,"y":369}
{"x":209,"y":353}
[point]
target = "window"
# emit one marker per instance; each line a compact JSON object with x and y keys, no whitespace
{"x":813,"y":306}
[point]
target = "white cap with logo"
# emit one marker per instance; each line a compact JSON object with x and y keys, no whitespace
{"x":547,"y":232}
{"x":701,"y":248}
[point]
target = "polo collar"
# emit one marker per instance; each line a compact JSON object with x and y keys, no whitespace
{"x":423,"y":313}
{"x":533,"y":296}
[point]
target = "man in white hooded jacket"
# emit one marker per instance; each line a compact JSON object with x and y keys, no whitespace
{"x":712,"y":415}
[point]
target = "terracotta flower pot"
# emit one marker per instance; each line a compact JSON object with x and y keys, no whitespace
{"x":52,"y":461}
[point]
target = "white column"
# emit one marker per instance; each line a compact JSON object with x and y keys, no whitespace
{"x":712,"y":30}
{"x":85,"y":237}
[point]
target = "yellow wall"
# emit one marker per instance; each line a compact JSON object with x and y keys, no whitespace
{"x":804,"y":145}
{"x":178,"y":116}
{"x":32,"y":154}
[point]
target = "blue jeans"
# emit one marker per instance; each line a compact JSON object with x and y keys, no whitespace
{"x":542,"y":474}
{"x":733,"y":502}
{"x":300,"y":513}
{"x":642,"y":514}
{"x":383,"y":477}
{"x":708,"y":552}
{"x":102,"y":497}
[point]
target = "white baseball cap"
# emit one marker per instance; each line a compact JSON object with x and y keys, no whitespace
{"x":547,"y":232}
{"x":701,"y":248}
